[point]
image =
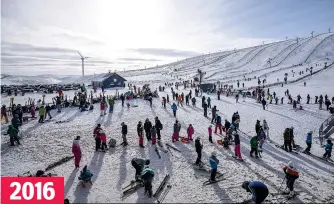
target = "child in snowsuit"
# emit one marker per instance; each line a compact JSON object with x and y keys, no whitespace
{"x":214,"y":165}
{"x":199,"y":148}
{"x":328,"y":149}
{"x":103,"y":137}
{"x":291,"y":174}
{"x":237,"y":146}
{"x":97,"y":137}
{"x":76,"y":150}
{"x":140,"y":134}
{"x":13,"y":134}
{"x":254,"y":145}
{"x":190,"y":132}
{"x":174,"y":108}
{"x":308,"y":142}
{"x":210,"y":133}
{"x":147,"y":176}
{"x":124,"y":132}
{"x":41,"y":114}
{"x":258,"y":189}
{"x":154,"y":135}
{"x":85,"y":176}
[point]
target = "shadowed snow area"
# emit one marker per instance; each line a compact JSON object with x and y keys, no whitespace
{"x":43,"y":144}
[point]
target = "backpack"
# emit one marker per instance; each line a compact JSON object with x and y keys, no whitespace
{"x":112,"y":143}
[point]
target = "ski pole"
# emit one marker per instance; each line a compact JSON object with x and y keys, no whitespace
{"x":281,"y":185}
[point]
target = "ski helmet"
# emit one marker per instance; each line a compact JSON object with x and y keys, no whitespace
{"x":147,"y":162}
{"x":214,"y":153}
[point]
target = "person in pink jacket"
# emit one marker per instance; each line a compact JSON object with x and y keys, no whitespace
{"x":190,"y":132}
{"x":210,"y":133}
{"x":103,"y":139}
{"x":76,"y":151}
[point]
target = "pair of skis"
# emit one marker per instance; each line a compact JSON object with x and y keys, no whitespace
{"x":160,"y":193}
{"x":281,"y":147}
{"x":131,"y":188}
{"x":218,"y":179}
{"x":315,"y":156}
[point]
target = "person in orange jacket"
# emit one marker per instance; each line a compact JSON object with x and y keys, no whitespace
{"x":291,"y":174}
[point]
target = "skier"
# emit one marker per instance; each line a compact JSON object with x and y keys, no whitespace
{"x":48,"y":110}
{"x":218,"y":124}
{"x":214,"y":165}
{"x":257,"y":127}
{"x":227,"y":126}
{"x":147,"y":128}
{"x":140,"y":134}
{"x":291,"y":174}
{"x":139,"y":165}
{"x":264,"y":102}
{"x":174,"y":108}
{"x":266,"y":128}
{"x":205,"y":109}
{"x":199,"y":148}
{"x":203,"y":100}
{"x":158,"y":127}
{"x":76,"y":150}
{"x":193,"y":100}
{"x":154,"y":135}
{"x":4,"y":113}
{"x":254,"y":146}
{"x":287,"y":140}
{"x":209,"y":102}
{"x":97,"y":137}
{"x":237,"y":151}
{"x":214,"y":112}
{"x":13,"y":135}
{"x":308,"y":142}
{"x":308,"y":99}
{"x":124,"y":132}
{"x":190,"y":132}
{"x":210,"y":133}
{"x":41,"y":114}
{"x":175,"y":136}
{"x":328,"y":149}
{"x":147,"y":177}
{"x":258,"y":190}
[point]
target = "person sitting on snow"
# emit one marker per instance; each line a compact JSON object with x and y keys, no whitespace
{"x":85,"y":176}
{"x":258,"y":190}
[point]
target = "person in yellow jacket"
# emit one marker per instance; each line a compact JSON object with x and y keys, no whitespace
{"x":41,"y":114}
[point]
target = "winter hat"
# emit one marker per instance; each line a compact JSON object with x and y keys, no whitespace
{"x":122,"y":123}
{"x":245,"y":185}
{"x":147,"y":162}
{"x":329,"y":141}
{"x":99,"y":125}
{"x":291,"y":164}
{"x":210,"y":126}
{"x":77,"y":138}
{"x":214,"y":153}
{"x":310,"y":133}
{"x":198,"y":138}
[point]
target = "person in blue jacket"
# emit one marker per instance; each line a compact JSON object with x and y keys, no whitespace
{"x":328,"y":149}
{"x":214,"y":165}
{"x":174,"y":108}
{"x":308,"y":142}
{"x":258,"y":190}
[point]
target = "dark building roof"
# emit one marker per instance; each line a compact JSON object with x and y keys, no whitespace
{"x":102,"y":78}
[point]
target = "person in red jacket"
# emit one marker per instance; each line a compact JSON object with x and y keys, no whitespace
{"x":76,"y":151}
{"x":102,"y":107}
{"x":97,"y":137}
{"x":103,"y":139}
{"x":190,"y":131}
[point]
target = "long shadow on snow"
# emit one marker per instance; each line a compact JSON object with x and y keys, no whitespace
{"x":70,"y":181}
{"x":107,"y":122}
{"x":122,"y":169}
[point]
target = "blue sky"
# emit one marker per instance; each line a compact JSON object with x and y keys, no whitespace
{"x":39,"y":37}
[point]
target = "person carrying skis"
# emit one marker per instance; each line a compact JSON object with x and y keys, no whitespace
{"x":287,"y":140}
{"x":154,"y":135}
{"x":41,"y":114}
{"x":147,"y":176}
{"x":198,"y":147}
{"x":237,"y":151}
{"x":258,"y":190}
{"x":190,"y":132}
{"x":254,"y":142}
{"x":193,"y":100}
{"x":328,"y":149}
{"x":210,"y":133}
{"x":76,"y":150}
{"x":218,"y":124}
{"x":308,"y":142}
{"x":147,"y":128}
{"x":209,"y":102}
{"x":140,"y":134}
{"x":205,"y":109}
{"x":291,"y":174}
{"x":214,"y":113}
{"x":174,"y":108}
{"x":257,"y":127}
{"x":227,"y":126}
{"x":264,"y":103}
{"x":158,"y":127}
{"x":124,"y":132}
{"x":97,"y":137}
{"x":13,"y":135}
{"x":214,"y":165}
{"x":139,"y":165}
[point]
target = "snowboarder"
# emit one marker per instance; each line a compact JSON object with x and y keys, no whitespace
{"x":254,"y":146}
{"x":214,"y":113}
{"x":4,"y":113}
{"x":147,"y":128}
{"x":210,"y":133}
{"x":97,"y":137}
{"x":199,"y":148}
{"x":205,"y":109}
{"x":209,"y":102}
{"x":308,"y":142}
{"x":218,"y":124}
{"x":308,"y":99}
{"x":214,"y":165}
{"x":287,"y":140}
{"x":158,"y":127}
{"x":190,"y":132}
{"x":13,"y":135}
{"x":140,"y":134}
{"x":291,"y":174}
{"x":257,"y":127}
{"x":328,"y":149}
{"x":124,"y":133}
{"x":76,"y":150}
{"x":174,"y":108}
{"x":41,"y":114}
{"x":258,"y":190}
{"x":264,"y":102}
{"x":147,"y":177}
{"x":193,"y":100}
{"x":237,"y":151}
{"x":139,"y":165}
